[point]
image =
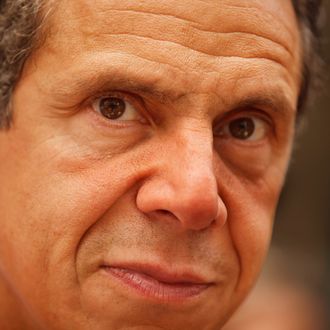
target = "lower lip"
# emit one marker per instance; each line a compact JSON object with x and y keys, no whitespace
{"x":150,"y":287}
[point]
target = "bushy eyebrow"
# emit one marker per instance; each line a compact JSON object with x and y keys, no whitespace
{"x":115,"y":79}
{"x":150,"y":83}
{"x":274,"y":100}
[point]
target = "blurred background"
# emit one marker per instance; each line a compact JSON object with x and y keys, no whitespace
{"x":302,"y":227}
{"x":294,"y":290}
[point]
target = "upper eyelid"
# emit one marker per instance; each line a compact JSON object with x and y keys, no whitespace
{"x":224,"y":125}
{"x":115,"y":93}
{"x":241,"y":113}
{"x":273,"y":99}
{"x":261,"y":111}
{"x":135,"y":100}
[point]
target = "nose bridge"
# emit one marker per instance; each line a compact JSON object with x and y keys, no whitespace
{"x":191,"y":162}
{"x":185,"y":184}
{"x":194,"y":200}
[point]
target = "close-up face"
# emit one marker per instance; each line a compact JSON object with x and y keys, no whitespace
{"x":143,"y":165}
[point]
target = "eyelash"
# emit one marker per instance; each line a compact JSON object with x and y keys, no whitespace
{"x":134,"y":100}
{"x":257,"y":115}
{"x":139,"y":105}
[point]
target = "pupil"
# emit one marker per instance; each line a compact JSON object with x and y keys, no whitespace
{"x":112,"y":107}
{"x":242,"y":128}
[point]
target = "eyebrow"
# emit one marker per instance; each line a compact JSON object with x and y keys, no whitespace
{"x":274,"y":100}
{"x":115,"y":78}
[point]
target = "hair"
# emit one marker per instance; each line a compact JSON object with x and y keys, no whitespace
{"x":309,"y":17}
{"x":21,"y":31}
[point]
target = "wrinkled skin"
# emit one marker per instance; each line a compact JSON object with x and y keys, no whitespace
{"x":168,"y":183}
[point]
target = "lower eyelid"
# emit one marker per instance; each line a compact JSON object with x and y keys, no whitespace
{"x":131,"y":110}
{"x":223,"y":131}
{"x":108,"y":125}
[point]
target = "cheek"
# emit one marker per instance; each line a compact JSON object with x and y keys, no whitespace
{"x":48,"y":201}
{"x":251,"y":232}
{"x":251,"y":228}
{"x":251,"y":207}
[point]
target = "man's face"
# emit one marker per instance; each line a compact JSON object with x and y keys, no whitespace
{"x":149,"y":144}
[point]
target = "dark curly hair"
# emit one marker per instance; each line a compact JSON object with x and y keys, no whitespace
{"x":21,"y":22}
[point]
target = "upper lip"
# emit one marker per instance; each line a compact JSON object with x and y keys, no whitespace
{"x":163,"y":274}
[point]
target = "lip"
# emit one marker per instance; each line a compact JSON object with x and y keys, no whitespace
{"x":157,"y":283}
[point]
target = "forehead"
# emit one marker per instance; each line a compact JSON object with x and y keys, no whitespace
{"x":205,"y":42}
{"x":186,"y":22}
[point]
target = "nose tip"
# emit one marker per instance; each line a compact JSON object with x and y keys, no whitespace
{"x":200,"y":211}
{"x":184,"y":182}
{"x":196,"y":207}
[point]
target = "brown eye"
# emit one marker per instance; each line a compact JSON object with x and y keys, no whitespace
{"x":116,"y":108}
{"x":242,"y":128}
{"x":112,"y":107}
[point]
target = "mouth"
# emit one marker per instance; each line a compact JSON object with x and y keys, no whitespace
{"x":157,"y":283}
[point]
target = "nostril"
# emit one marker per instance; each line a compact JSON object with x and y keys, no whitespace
{"x":193,"y":203}
{"x":165,"y":212}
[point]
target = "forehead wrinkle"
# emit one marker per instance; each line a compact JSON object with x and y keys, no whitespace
{"x":253,"y":22}
{"x":204,"y":20}
{"x":115,"y":70}
{"x":255,"y":53}
{"x":263,"y":10}
{"x":210,"y":29}
{"x":247,"y":44}
{"x":159,"y":84}
{"x":164,"y":48}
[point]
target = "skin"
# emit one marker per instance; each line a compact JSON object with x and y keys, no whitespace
{"x":166,"y":184}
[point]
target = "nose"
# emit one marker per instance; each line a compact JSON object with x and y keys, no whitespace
{"x":184,"y":185}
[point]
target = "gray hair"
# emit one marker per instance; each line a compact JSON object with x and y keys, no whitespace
{"x":21,"y":32}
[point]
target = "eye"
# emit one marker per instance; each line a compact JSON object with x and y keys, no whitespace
{"x":245,"y":128}
{"x":116,"y":108}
